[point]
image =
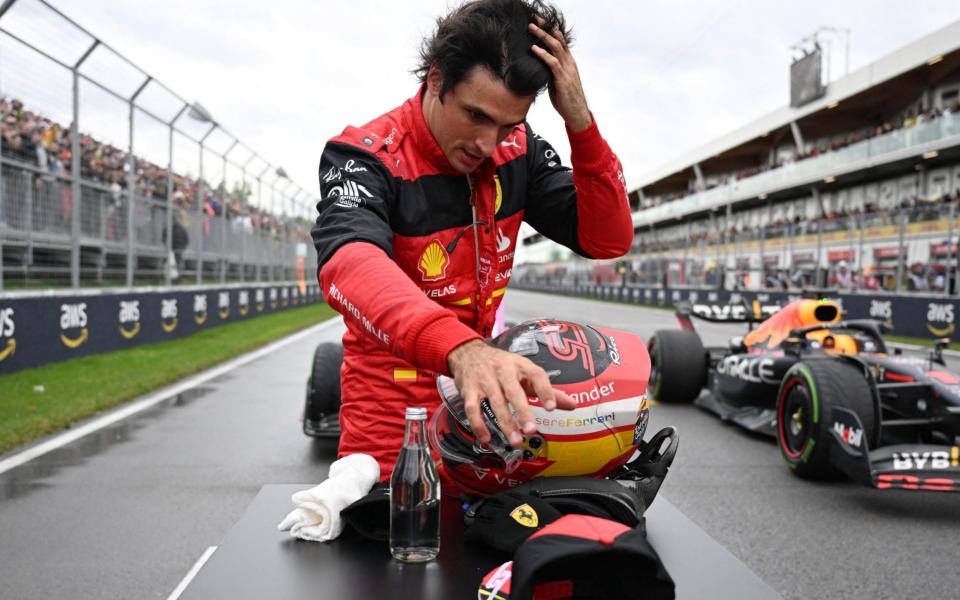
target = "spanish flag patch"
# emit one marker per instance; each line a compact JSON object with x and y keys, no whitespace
{"x":404,"y":374}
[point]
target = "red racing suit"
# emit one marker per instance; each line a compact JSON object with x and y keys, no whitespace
{"x":416,"y":256}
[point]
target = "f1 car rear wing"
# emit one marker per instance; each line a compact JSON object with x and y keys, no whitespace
{"x":905,"y":467}
{"x":735,"y":312}
{"x":744,"y":312}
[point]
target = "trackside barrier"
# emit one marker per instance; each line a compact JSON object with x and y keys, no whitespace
{"x":45,"y":327}
{"x":930,"y":317}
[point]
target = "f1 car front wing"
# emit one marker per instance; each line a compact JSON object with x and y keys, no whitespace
{"x":906,"y":466}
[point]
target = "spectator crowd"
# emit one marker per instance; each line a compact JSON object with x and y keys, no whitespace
{"x":814,"y":149}
{"x":40,"y":142}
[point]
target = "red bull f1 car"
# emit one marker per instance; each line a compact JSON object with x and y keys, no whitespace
{"x":836,"y":399}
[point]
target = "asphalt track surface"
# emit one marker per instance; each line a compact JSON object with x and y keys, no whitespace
{"x":127,"y":511}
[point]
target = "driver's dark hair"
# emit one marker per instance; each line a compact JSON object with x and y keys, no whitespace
{"x":492,"y":34}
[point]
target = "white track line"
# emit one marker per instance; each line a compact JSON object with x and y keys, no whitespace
{"x":155,"y":398}
{"x":191,"y":573}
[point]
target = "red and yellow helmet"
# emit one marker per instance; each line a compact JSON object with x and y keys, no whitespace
{"x":605,"y":370}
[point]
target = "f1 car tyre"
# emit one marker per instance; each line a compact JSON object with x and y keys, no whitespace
{"x":320,"y":414}
{"x":807,"y":393}
{"x":678,"y":366}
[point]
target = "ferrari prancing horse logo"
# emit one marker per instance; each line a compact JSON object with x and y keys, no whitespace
{"x":525,"y":515}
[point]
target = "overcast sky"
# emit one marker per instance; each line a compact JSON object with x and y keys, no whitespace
{"x":662,"y":77}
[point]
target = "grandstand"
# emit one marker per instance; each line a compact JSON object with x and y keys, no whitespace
{"x":111,"y":178}
{"x":857,"y":189}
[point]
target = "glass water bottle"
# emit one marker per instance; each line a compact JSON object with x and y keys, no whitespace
{"x":415,"y":495}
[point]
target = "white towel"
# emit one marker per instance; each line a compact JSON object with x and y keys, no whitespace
{"x":317,"y":513}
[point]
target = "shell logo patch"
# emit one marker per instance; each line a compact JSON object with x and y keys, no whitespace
{"x":496,"y":181}
{"x":433,"y":262}
{"x":525,"y":515}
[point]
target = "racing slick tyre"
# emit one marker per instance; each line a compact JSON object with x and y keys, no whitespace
{"x":320,"y":413}
{"x":678,"y":366}
{"x":807,"y":393}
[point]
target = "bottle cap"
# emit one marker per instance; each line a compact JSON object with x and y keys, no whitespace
{"x":416,"y":413}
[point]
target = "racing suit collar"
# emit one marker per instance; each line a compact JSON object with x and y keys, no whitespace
{"x":423,"y":137}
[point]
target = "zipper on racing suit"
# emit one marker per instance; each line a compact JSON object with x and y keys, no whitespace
{"x":476,"y":234}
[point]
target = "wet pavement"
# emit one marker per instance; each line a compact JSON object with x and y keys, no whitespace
{"x":125,"y":512}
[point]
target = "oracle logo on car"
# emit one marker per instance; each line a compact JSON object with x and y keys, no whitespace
{"x":752,"y":370}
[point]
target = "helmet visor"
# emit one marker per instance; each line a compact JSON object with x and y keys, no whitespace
{"x":467,"y":448}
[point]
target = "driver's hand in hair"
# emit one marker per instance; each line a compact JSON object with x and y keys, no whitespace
{"x":506,"y":380}
{"x":566,"y":91}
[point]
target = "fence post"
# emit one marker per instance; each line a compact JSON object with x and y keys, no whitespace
{"x":900,"y":258}
{"x":224,"y":209}
{"x":3,"y":222}
{"x":169,"y":245}
{"x":243,"y":227}
{"x":861,"y":268}
{"x":75,"y":190}
{"x":200,"y":215}
{"x":259,"y":228}
{"x":820,"y":217}
{"x":947,"y":276}
{"x":199,"y":194}
{"x":273,"y":226}
{"x":132,"y":186}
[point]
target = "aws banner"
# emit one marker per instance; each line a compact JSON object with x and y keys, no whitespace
{"x":929,"y":317}
{"x":42,"y":329}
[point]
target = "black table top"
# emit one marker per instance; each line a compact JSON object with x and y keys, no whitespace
{"x":255,"y":560}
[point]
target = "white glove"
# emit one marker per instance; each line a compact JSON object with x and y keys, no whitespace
{"x":317,"y":513}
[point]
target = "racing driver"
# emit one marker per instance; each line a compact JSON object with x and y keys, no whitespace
{"x":420,"y":212}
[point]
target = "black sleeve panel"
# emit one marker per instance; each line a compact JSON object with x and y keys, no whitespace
{"x":356,"y":194}
{"x":551,"y":197}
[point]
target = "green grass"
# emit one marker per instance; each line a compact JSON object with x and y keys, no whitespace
{"x":76,"y":389}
